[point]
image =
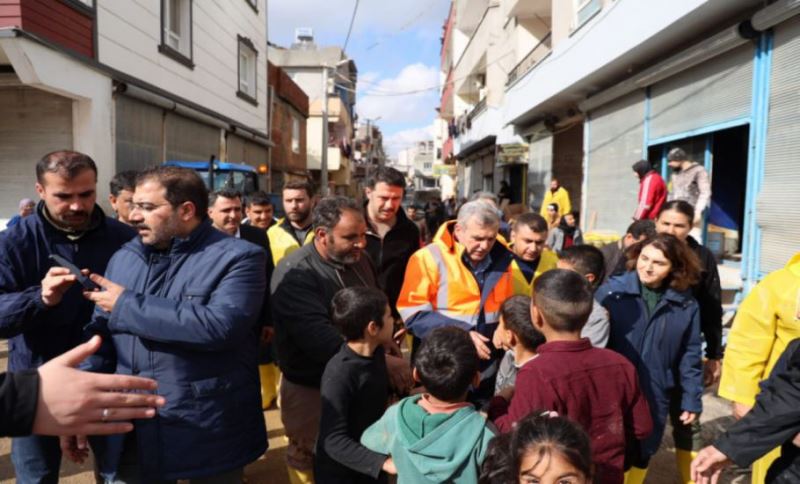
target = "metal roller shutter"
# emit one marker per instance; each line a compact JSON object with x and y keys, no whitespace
{"x":190,"y":140}
{"x":778,"y":208}
{"x":540,"y":166}
{"x":138,"y":134}
{"x":33,"y":123}
{"x":708,"y":94}
{"x":616,"y":131}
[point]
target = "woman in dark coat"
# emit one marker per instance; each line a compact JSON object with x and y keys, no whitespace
{"x":655,"y":323}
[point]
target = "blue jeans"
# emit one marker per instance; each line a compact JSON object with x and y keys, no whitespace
{"x":36,"y":459}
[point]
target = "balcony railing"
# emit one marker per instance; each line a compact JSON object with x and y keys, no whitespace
{"x":536,"y":55}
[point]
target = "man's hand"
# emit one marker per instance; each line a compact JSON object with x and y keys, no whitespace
{"x":388,"y":467}
{"x":740,"y":410}
{"x":687,"y":418}
{"x":107,"y":298}
{"x":55,"y":284}
{"x":75,"y":448}
{"x":711,"y":372}
{"x":400,"y":378}
{"x":480,"y":341}
{"x":74,"y":402}
{"x":708,"y":465}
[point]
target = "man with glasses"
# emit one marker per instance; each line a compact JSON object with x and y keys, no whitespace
{"x":181,"y":304}
{"x":42,"y":312}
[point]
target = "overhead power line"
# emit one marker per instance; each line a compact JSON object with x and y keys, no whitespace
{"x":350,"y":29}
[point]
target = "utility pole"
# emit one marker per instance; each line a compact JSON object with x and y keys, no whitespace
{"x":323,"y":175}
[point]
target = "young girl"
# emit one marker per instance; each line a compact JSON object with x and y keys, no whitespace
{"x":542,"y":449}
{"x":655,"y":323}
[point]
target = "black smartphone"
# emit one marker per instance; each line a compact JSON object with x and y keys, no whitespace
{"x":87,"y":283}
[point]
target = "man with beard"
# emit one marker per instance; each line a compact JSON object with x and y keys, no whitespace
{"x":42,"y":311}
{"x":303,"y":287}
{"x":391,"y":237}
{"x":225,"y":212}
{"x":181,"y":304}
{"x":531,"y":256}
{"x":294,"y":230}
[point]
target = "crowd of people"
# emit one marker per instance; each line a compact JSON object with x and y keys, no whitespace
{"x":533,"y":356}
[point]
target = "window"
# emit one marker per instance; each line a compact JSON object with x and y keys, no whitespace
{"x":248,"y":75}
{"x":585,"y":10}
{"x":176,"y":31}
{"x":295,"y":134}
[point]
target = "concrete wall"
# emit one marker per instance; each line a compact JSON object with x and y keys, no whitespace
{"x":129,"y":33}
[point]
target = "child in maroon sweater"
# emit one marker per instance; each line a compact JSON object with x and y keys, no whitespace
{"x":594,"y":387}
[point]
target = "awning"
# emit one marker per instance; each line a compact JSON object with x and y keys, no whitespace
{"x":484,"y":142}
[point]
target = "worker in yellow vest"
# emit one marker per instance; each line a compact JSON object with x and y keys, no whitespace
{"x":285,"y":236}
{"x":531,"y":257}
{"x":766,"y":322}
{"x":559,"y":196}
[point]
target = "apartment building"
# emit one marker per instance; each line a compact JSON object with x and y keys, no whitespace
{"x":132,"y":84}
{"x":287,"y":118}
{"x":324,"y":73}
{"x":615,"y":81}
{"x":484,"y":43}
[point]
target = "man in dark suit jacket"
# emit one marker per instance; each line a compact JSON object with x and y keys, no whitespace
{"x":225,"y":210}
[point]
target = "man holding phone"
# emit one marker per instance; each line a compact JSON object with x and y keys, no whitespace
{"x":42,"y":310}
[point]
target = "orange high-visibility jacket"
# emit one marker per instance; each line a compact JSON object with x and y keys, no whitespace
{"x":440,"y":290}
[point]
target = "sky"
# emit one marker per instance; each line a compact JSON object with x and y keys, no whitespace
{"x":396,"y":48}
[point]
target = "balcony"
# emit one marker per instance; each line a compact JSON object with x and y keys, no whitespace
{"x":478,"y":127}
{"x":526,"y":8}
{"x":473,"y":59}
{"x":628,"y":34}
{"x":531,"y":59}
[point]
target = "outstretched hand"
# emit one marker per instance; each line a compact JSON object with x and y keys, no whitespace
{"x":75,"y":402}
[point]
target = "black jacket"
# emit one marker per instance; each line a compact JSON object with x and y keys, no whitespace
{"x":36,"y":332}
{"x":774,"y":420}
{"x":258,"y":236}
{"x":390,"y":255}
{"x":708,"y":294}
{"x":302,"y":288}
{"x":19,"y":393}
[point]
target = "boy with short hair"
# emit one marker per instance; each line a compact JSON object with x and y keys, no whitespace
{"x":436,"y":436}
{"x":354,"y":389}
{"x":595,"y":387}
{"x":588,"y":261}
{"x":515,"y":333}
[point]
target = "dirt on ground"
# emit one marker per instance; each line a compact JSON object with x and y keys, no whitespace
{"x":270,"y":468}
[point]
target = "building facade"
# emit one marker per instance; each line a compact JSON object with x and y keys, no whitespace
{"x":609,"y":82}
{"x":287,"y":119}
{"x":132,"y":84}
{"x":324,"y":73}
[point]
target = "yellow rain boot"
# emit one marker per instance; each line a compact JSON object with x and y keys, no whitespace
{"x":270,"y":375}
{"x":296,"y":476}
{"x":635,"y":475}
{"x":685,"y":458}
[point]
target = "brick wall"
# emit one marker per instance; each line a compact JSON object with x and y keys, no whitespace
{"x":290,"y":103}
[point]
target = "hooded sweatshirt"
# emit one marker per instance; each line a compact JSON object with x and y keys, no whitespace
{"x":431,"y":447}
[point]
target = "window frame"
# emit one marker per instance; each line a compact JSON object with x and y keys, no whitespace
{"x":89,"y":7}
{"x":578,"y":5}
{"x":168,"y":50}
{"x":251,"y":98}
{"x":295,"y":136}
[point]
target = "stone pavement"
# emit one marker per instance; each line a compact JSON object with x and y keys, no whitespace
{"x":270,"y":469}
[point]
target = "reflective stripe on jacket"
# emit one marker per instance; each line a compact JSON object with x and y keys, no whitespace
{"x":547,"y":261}
{"x":282,"y":241}
{"x":767,"y":321}
{"x":440,"y":290}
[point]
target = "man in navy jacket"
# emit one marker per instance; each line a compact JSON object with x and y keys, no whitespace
{"x":42,"y":312}
{"x":181,"y":303}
